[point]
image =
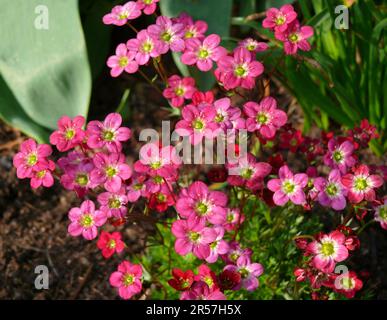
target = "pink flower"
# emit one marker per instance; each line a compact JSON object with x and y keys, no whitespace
{"x":233,"y":219}
{"x":110,"y":170}
{"x":381,"y":214}
{"x":30,"y":157}
{"x":144,"y":46}
{"x":42,"y":175}
{"x":327,"y":250}
{"x":361,"y":184}
{"x":249,"y":273}
{"x":70,"y":133}
{"x":239,"y":70}
{"x":295,"y":37}
{"x":348,"y":284}
{"x":108,"y":134}
{"x":203,"y":53}
{"x":218,"y":247}
{"x":137,"y":188}
{"x":331,"y":192}
{"x":201,"y":291}
{"x":113,"y":204}
{"x":247,"y":172}
{"x":77,"y":177}
{"x":179,"y":89}
{"x":121,"y":14}
{"x":110,"y":243}
{"x":197,"y":123}
{"x":122,"y":61}
{"x":339,"y":156}
{"x":264,"y":117}
{"x":169,"y":34}
{"x":192,"y":236}
{"x":288,"y":187}
{"x":253,"y":46}
{"x":228,"y":117}
{"x":157,"y":161}
{"x":279,"y":19}
{"x":148,"y":6}
{"x":85,"y":220}
{"x":199,"y":202}
{"x":127,"y":279}
{"x":235,"y":252}
{"x":192,"y":29}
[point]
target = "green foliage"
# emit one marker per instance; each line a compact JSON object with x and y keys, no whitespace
{"x":44,"y":73}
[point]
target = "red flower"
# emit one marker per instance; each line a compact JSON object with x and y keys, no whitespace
{"x":181,"y":281}
{"x":229,"y":279}
{"x":276,"y":161}
{"x":291,"y":140}
{"x":110,"y":243}
{"x":352,"y":243}
{"x":202,"y":98}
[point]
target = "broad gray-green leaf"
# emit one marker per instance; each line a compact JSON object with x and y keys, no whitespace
{"x":47,"y":70}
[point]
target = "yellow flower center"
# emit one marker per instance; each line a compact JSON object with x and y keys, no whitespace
{"x":82,"y":179}
{"x":87,"y":221}
{"x":203,"y":53}
{"x":32,"y":159}
{"x":128,"y":279}
{"x":327,"y":249}
{"x":108,"y":135}
{"x":70,"y":133}
{"x":111,"y":171}
{"x":361,"y":184}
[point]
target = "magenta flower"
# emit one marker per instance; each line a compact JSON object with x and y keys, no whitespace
{"x":361,"y":184}
{"x":77,"y":176}
{"x":113,"y":204}
{"x":381,"y":214}
{"x":331,"y":192}
{"x":110,"y":170}
{"x":31,"y":155}
{"x":288,"y":187}
{"x":70,"y":133}
{"x":144,"y":46}
{"x":192,"y":29}
{"x":218,"y":247}
{"x":327,"y":250}
{"x":121,"y":14}
{"x":253,"y":46}
{"x":148,"y":6}
{"x":235,"y":252}
{"x":137,"y":188}
{"x":239,"y":70}
{"x":279,"y":19}
{"x":127,"y":279}
{"x":249,"y":273}
{"x":228,"y":117}
{"x":85,"y":220}
{"x":197,"y":123}
{"x":199,"y":202}
{"x":201,"y":291}
{"x":108,"y":134}
{"x":156,"y":161}
{"x":264,"y":117}
{"x":203,"y":53}
{"x":295,"y":37}
{"x":42,"y":175}
{"x":247,"y":172}
{"x":233,"y":219}
{"x":339,"y":156}
{"x":169,"y":34}
{"x":192,"y":236}
{"x":179,"y":89}
{"x":122,"y":61}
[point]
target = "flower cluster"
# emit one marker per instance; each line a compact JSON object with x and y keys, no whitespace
{"x":287,"y":29}
{"x":206,"y":222}
{"x":322,"y":256}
